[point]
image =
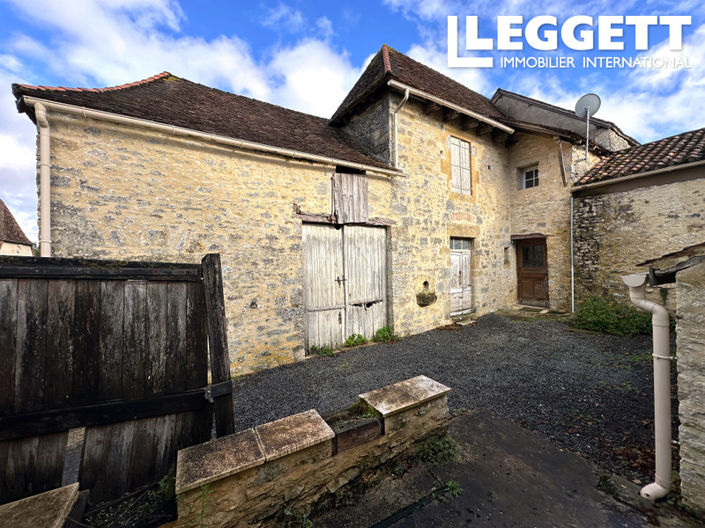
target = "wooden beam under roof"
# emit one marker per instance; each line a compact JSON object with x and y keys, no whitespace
{"x":430,"y":107}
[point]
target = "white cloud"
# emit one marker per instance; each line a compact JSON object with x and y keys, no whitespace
{"x":284,"y":17}
{"x":313,"y":77}
{"x":325,"y":27}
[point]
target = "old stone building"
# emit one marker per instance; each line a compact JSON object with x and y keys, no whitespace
{"x":13,"y":241}
{"x":417,"y":201}
{"x":635,"y":204}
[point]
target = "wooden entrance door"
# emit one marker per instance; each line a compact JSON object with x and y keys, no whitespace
{"x":532,"y":272}
{"x":460,"y":276}
{"x":345,"y":282}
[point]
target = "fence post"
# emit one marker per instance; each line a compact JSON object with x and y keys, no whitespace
{"x":218,"y":341}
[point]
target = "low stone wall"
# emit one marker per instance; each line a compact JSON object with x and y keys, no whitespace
{"x":691,"y":384}
{"x":252,"y":477}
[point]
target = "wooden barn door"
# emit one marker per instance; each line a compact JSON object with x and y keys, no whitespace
{"x":345,"y":282}
{"x":366,"y":277}
{"x":532,"y":272}
{"x":324,"y":285}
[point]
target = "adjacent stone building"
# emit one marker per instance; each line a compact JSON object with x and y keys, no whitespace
{"x":640,"y":202}
{"x":13,"y":241}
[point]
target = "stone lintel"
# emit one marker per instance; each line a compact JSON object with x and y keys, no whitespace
{"x":220,"y":458}
{"x":293,"y":433}
{"x":48,"y":510}
{"x":404,"y":395}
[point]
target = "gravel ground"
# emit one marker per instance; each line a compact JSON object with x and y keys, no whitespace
{"x":590,"y":393}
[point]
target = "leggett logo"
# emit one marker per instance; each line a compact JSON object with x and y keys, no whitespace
{"x":576,"y":33}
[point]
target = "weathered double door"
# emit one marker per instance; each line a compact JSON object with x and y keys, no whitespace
{"x":345,"y":282}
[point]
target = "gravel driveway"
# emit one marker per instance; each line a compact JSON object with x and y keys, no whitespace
{"x":590,"y":393}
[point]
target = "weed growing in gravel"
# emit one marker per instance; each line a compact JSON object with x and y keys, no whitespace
{"x":437,"y":450}
{"x":355,"y":340}
{"x":321,"y":351}
{"x":384,"y":335}
{"x":454,"y":488}
{"x":608,"y":316}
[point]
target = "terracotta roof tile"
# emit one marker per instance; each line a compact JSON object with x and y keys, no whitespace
{"x":10,"y":230}
{"x":171,"y":100}
{"x":680,"y":149}
{"x":389,"y":64}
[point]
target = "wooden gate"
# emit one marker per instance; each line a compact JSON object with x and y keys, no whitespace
{"x":345,"y":282}
{"x":532,"y":271}
{"x":120,"y":348}
{"x":460,"y":276}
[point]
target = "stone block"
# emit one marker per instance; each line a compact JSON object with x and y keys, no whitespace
{"x":48,"y":510}
{"x":215,"y":460}
{"x":293,"y":433}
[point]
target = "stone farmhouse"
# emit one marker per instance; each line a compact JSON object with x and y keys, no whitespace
{"x":13,"y":241}
{"x":417,"y":201}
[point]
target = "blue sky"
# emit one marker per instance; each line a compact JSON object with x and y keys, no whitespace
{"x":307,"y":55}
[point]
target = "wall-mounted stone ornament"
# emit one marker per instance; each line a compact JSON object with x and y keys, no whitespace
{"x":427,"y":296}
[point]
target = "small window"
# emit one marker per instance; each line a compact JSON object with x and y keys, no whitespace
{"x":461,"y":181}
{"x":530,"y":178}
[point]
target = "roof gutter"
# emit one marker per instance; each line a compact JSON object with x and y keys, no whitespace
{"x":40,"y":115}
{"x":654,"y":172}
{"x":418,"y":93}
{"x":215,"y":138}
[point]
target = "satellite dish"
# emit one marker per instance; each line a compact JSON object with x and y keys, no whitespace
{"x":588,"y":102}
{"x":587,"y":106}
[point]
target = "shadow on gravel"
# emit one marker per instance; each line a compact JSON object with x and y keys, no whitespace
{"x":590,"y":393}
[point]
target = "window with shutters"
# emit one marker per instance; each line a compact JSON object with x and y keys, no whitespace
{"x":461,"y":180}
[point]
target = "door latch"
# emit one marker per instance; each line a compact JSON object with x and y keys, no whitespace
{"x":340,"y":318}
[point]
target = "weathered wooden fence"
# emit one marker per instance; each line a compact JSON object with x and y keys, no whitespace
{"x":121,"y":348}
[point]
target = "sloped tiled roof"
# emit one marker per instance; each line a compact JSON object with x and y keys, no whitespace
{"x":10,"y":230}
{"x":680,"y":149}
{"x":603,"y":122}
{"x":389,"y":64}
{"x":171,"y":100}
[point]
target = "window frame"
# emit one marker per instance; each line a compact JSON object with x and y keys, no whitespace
{"x":534,"y":178}
{"x":460,"y":166}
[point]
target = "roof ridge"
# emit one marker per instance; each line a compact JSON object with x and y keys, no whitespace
{"x":104,"y":89}
{"x":687,"y":132}
{"x":385,"y":59}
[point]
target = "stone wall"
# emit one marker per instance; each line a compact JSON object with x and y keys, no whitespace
{"x":252,"y":477}
{"x":691,"y":384}
{"x":126,"y":192}
{"x":428,"y":214}
{"x":544,"y":209}
{"x":132,"y":193}
{"x":616,"y":231}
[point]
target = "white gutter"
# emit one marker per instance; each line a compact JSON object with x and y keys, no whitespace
{"x":181,"y":131}
{"x":44,"y":180}
{"x":662,"y":385}
{"x":396,"y":142}
{"x":639,"y":175}
{"x":448,"y":104}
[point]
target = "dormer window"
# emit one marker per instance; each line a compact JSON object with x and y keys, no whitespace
{"x":461,"y":181}
{"x":530,"y":177}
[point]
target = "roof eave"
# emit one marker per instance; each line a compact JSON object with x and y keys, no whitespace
{"x":465,"y":111}
{"x":605,"y":124}
{"x":655,"y":172}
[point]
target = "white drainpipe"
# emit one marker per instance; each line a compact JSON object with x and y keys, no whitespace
{"x":44,"y":181}
{"x":662,"y":385}
{"x":396,"y":141}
